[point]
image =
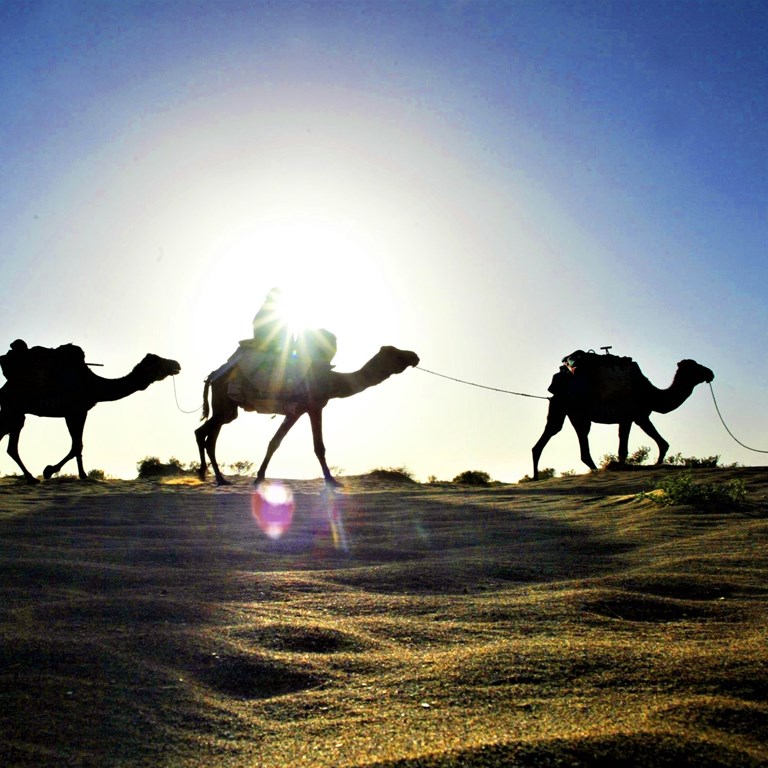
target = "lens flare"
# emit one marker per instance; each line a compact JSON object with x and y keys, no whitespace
{"x":272,"y":507}
{"x":336,"y":522}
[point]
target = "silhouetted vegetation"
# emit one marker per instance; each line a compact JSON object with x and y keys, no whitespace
{"x":678,"y":460}
{"x":473,"y":477}
{"x":396,"y":474}
{"x":151,"y":467}
{"x":241,"y":467}
{"x":636,"y":459}
{"x":544,"y":474}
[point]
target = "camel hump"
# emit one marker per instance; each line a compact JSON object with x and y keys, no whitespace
{"x":42,"y":364}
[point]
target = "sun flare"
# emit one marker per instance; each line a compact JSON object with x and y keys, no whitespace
{"x":329,"y":272}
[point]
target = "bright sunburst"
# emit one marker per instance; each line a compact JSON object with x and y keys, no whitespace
{"x":329,"y":272}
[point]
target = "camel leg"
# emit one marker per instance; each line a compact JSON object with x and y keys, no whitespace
{"x":274,"y":444}
{"x":12,"y":428}
{"x":555,"y":421}
{"x":75,"y":425}
{"x":201,"y":433}
{"x":316,"y":419}
{"x":645,"y":424}
{"x":624,"y":429}
{"x":582,"y":427}
{"x":206,"y":436}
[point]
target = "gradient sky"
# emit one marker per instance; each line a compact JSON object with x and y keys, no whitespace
{"x":489,"y":184}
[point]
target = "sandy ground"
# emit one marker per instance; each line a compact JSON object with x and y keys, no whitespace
{"x":564,"y":622}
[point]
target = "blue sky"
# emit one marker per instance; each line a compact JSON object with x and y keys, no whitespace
{"x":492,"y":185}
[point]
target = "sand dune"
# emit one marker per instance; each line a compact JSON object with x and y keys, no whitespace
{"x":564,"y":622}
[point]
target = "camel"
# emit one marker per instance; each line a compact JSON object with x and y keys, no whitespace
{"x":621,"y":395}
{"x":312,"y":396}
{"x":68,"y":392}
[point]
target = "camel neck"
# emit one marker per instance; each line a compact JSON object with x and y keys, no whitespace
{"x":666,"y":400}
{"x":348,"y":384}
{"x":107,"y":390}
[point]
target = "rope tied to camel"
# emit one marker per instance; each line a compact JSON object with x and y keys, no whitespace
{"x":176,"y":398}
{"x":481,"y":386}
{"x":722,"y":420}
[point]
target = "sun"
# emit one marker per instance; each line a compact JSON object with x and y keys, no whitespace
{"x":330,"y":274}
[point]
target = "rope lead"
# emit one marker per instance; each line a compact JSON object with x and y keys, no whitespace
{"x":481,"y":386}
{"x":714,"y":400}
{"x":176,"y":398}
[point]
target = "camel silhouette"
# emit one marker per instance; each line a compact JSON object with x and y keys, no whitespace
{"x":614,"y":391}
{"x":66,"y":389}
{"x":310,"y":397}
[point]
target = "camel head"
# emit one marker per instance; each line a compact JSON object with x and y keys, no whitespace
{"x":693,"y":373}
{"x":154,"y":368}
{"x":394,"y":360}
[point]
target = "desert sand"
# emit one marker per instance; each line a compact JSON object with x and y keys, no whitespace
{"x":563,"y":622}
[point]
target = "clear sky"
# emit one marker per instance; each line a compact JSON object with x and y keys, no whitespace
{"x":489,"y":184}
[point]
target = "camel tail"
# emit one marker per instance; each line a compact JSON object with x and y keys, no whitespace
{"x":206,"y":410}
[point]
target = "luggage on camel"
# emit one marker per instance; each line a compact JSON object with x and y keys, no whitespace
{"x":43,"y":368}
{"x":602,"y":376}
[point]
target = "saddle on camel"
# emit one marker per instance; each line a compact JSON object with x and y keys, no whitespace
{"x":601,"y":376}
{"x":36,"y":371}
{"x":271,"y":372}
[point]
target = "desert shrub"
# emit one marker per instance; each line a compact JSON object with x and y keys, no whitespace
{"x":473,"y":477}
{"x":640,"y":456}
{"x":678,"y":460}
{"x":681,"y":489}
{"x":398,"y":474}
{"x":544,"y":474}
{"x":96,"y":474}
{"x":241,"y":467}
{"x":151,"y":466}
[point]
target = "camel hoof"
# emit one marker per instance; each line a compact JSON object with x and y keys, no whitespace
{"x":222,"y":481}
{"x":332,"y":482}
{"x":29,"y":480}
{"x":49,"y":472}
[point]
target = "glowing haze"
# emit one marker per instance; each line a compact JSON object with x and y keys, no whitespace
{"x":491,"y":185}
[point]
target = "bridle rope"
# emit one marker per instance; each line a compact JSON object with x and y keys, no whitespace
{"x":481,"y":386}
{"x":714,"y":400}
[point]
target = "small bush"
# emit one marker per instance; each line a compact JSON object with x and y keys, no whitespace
{"x":151,"y":466}
{"x":544,"y":474}
{"x":681,"y":489}
{"x":473,"y":477}
{"x":241,"y":467}
{"x":678,"y":460}
{"x":398,"y":474}
{"x":96,"y":474}
{"x":639,"y":457}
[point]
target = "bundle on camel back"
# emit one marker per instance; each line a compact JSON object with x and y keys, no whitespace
{"x":606,"y":379}
{"x":298,"y":381}
{"x":38,"y":370}
{"x":609,"y":389}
